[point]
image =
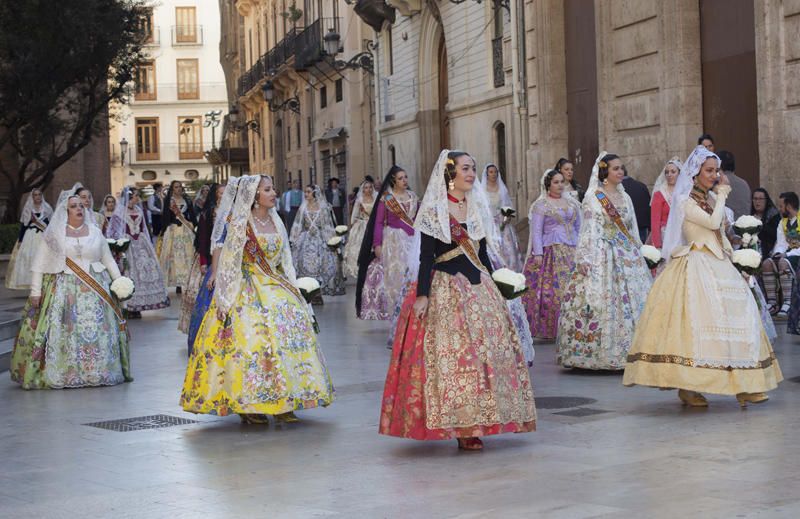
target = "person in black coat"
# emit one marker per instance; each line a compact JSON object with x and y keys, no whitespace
{"x":640,"y":196}
{"x":337,"y":199}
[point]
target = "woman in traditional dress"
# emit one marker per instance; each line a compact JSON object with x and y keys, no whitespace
{"x":499,"y":199}
{"x":201,"y":197}
{"x":35,"y":216}
{"x":457,"y":369}
{"x":211,"y":249}
{"x":661,"y":200}
{"x":372,"y":300}
{"x":177,"y":235}
{"x":93,"y":217}
{"x":555,"y":222}
{"x":392,"y":234}
{"x":313,"y":227}
{"x":362,"y":209}
{"x":202,"y":255}
{"x":109,"y":205}
{"x":141,"y":263}
{"x":571,"y":187}
{"x":73,"y":333}
{"x":256,"y":353}
{"x":700,"y":330}
{"x":609,"y":285}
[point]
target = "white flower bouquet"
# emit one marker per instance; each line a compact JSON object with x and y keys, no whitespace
{"x":750,"y":241}
{"x":118,"y":246}
{"x":341,"y":230}
{"x":123,"y":288}
{"x":747,"y":224}
{"x":335,"y":244}
{"x":309,"y":287}
{"x":508,"y":213}
{"x":511,"y":284}
{"x":652,"y":256}
{"x":747,"y":261}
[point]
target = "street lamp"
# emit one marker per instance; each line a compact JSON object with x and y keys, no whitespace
{"x":123,"y":150}
{"x":363,"y":60}
{"x":212,"y":120}
{"x":293,"y":103}
{"x":233,"y":119}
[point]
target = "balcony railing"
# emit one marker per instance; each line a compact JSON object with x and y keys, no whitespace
{"x":187,"y":35}
{"x":498,"y":69}
{"x":170,"y":92}
{"x":169,"y":152}
{"x":269,"y":63}
{"x":310,"y":44}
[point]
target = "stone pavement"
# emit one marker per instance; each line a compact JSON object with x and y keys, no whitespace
{"x":601,"y":450}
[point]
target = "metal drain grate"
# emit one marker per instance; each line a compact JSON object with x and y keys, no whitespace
{"x":562,"y":402}
{"x":141,"y":423}
{"x":582,"y":412}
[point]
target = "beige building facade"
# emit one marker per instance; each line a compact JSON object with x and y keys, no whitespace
{"x":524,"y":82}
{"x":304,"y":113}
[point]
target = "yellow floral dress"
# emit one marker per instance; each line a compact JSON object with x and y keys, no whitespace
{"x":264,"y":359}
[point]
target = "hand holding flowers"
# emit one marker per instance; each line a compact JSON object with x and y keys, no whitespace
{"x":511,"y":284}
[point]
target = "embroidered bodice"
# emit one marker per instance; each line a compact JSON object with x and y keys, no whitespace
{"x":552,"y":225}
{"x":704,"y":230}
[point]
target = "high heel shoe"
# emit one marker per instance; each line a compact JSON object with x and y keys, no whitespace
{"x":692,"y":398}
{"x":752,"y":398}
{"x":254,"y":419}
{"x":287,"y":417}
{"x":470,"y":444}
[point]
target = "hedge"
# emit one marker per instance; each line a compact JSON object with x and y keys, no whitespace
{"x":8,"y":237}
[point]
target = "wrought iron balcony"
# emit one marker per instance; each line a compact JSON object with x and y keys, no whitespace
{"x":310,"y":44}
{"x":269,"y":63}
{"x":187,"y":35}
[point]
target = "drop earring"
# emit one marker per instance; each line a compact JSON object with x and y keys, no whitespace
{"x":451,"y":185}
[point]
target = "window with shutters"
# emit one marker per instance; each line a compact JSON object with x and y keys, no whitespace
{"x":146,"y":81}
{"x":186,"y":25}
{"x":188,"y":79}
{"x":190,"y":137}
{"x":147,"y":138}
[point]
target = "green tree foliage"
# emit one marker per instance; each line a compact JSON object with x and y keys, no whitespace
{"x":61,"y":63}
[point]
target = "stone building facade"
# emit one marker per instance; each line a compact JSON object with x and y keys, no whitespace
{"x":524,"y":82}
{"x":319,"y":120}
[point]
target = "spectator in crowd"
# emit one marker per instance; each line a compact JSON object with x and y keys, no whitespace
{"x":155,"y":204}
{"x":779,"y":268}
{"x":706,"y":140}
{"x":290,"y":202}
{"x":337,"y":199}
{"x":739,"y":199}
{"x":640,"y":196}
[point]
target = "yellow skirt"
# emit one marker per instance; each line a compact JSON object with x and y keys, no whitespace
{"x":672,"y":335}
{"x":264,"y":360}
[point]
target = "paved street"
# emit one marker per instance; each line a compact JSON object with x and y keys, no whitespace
{"x":617,"y":453}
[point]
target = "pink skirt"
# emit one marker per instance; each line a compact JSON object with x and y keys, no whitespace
{"x":546,"y":285}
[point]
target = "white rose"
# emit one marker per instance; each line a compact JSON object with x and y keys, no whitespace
{"x":335,"y":241}
{"x":747,"y":258}
{"x":746,"y":221}
{"x":651,"y":253}
{"x":123,"y":287}
{"x":110,"y":241}
{"x":122,"y":241}
{"x":308,"y":284}
{"x":509,"y":277}
{"x":341,"y":229}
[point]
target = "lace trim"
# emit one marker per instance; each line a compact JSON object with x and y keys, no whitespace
{"x":694,"y":363}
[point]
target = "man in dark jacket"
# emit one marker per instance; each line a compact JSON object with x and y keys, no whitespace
{"x":337,"y":199}
{"x":640,"y":196}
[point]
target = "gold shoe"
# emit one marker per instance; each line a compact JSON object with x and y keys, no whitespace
{"x":254,"y":419}
{"x":287,"y":417}
{"x":753,"y":398}
{"x":692,"y":398}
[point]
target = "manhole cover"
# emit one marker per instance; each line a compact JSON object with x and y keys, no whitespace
{"x":562,"y":402}
{"x":156,"y":421}
{"x":581,"y":412}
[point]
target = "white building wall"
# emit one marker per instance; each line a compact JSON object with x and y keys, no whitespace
{"x":167,"y":107}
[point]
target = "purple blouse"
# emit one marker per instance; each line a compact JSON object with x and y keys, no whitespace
{"x":551,"y":225}
{"x":388,"y":218}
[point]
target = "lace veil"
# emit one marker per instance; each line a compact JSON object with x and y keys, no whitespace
{"x":505,"y":196}
{"x":673,"y":235}
{"x":224,"y":208}
{"x":325,"y":220}
{"x":52,"y":261}
{"x":89,"y":213}
{"x":29,"y":208}
{"x":661,"y":181}
{"x":359,"y":202}
{"x":118,"y":228}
